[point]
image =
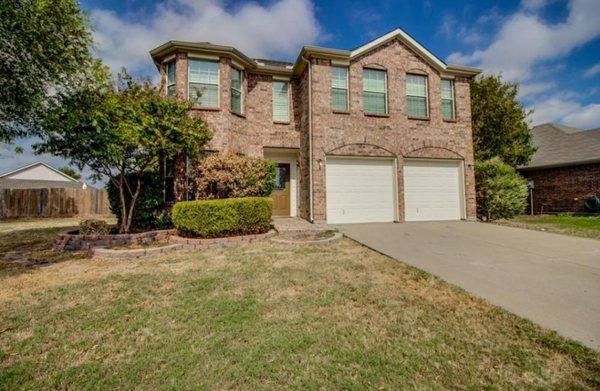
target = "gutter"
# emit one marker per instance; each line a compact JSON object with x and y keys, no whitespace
{"x":310,"y":153}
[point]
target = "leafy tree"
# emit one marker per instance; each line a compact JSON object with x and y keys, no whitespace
{"x":121,"y":132}
{"x":44,"y":46}
{"x":70,"y":172}
{"x":499,"y":122}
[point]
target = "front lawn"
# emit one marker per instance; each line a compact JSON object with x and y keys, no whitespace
{"x":265,"y":316}
{"x":587,"y":227}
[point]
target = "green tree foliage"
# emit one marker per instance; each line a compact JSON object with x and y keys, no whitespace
{"x":70,"y":172}
{"x":150,"y":212}
{"x":119,"y":133}
{"x":499,"y":122}
{"x":44,"y":48}
{"x":501,"y":191}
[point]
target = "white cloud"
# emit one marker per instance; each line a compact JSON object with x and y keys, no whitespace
{"x":533,"y":89}
{"x":277,"y":30}
{"x":534,"y":4}
{"x":525,"y":40}
{"x":566,"y":111}
{"x":592,"y":71}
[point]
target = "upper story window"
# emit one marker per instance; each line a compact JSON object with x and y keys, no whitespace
{"x":204,"y":81}
{"x":416,"y":96}
{"x":171,"y":78}
{"x":237,"y":97}
{"x":281,"y":101}
{"x":339,"y":84}
{"x":448,"y":111}
{"x":375,"y":91}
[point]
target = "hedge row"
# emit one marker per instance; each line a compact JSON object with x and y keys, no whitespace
{"x":224,"y":217}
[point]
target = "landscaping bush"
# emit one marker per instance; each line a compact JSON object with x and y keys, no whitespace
{"x":229,"y":175}
{"x":227,"y":217}
{"x":93,"y":227}
{"x":149,"y":212}
{"x":501,"y":191}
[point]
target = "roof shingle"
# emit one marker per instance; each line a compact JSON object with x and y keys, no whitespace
{"x":560,"y":145}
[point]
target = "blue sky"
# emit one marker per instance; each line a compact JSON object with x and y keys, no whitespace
{"x":551,"y":47}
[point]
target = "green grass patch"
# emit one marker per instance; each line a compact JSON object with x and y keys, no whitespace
{"x":583,"y":226}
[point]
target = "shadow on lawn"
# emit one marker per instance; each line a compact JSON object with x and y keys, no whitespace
{"x":22,"y":251}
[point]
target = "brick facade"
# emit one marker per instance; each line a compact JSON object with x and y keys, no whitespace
{"x":563,"y":189}
{"x":353,"y":133}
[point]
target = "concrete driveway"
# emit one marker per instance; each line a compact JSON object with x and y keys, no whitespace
{"x":553,"y":280}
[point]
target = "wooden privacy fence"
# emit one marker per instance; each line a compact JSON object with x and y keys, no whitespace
{"x":55,"y":202}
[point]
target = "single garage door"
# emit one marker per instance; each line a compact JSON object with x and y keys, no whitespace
{"x":360,"y":190}
{"x":432,"y":190}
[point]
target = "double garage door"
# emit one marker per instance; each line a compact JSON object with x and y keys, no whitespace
{"x":363,"y":190}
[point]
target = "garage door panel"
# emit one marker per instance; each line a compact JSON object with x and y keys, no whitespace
{"x":432,"y":190}
{"x":360,"y":190}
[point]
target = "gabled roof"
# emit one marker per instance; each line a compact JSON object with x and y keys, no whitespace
{"x":560,"y":145}
{"x":8,"y":174}
{"x":281,"y":67}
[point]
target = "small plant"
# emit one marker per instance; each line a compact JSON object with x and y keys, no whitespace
{"x":218,"y":218}
{"x":93,"y":227}
{"x":501,"y":191}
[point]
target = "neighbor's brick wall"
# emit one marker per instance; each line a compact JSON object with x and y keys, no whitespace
{"x":355,"y":133}
{"x":563,"y":189}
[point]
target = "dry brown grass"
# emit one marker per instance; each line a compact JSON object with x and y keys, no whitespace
{"x":269,"y":316}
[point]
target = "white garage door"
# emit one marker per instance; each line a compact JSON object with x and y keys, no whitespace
{"x":432,"y":190}
{"x":360,"y":190}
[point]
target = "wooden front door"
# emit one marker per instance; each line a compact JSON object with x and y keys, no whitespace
{"x":281,"y":194}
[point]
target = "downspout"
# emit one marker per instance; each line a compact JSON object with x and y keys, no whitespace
{"x":310,"y":154}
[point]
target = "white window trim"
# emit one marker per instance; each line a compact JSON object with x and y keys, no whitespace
{"x":348,"y":88}
{"x":172,"y":60}
{"x":241,"y":71}
{"x":285,"y":80}
{"x":426,"y":94}
{"x":453,"y":101}
{"x":201,"y":58}
{"x":385,"y":81}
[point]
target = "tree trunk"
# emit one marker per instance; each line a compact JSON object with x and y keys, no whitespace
{"x":138,"y":185}
{"x":124,"y":227}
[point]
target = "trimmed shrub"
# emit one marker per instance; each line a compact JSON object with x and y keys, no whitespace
{"x":93,"y":227}
{"x":229,"y":175}
{"x":149,"y":212}
{"x":227,"y":217}
{"x":501,"y":191}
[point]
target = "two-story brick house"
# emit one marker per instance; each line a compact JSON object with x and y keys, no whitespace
{"x":378,"y":133}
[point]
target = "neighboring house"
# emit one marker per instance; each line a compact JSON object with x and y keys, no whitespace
{"x":565,"y":169}
{"x":38,"y":175}
{"x":378,"y":133}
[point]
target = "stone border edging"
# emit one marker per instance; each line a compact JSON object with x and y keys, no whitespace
{"x":178,"y":243}
{"x":335,"y":238}
{"x":73,"y":242}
